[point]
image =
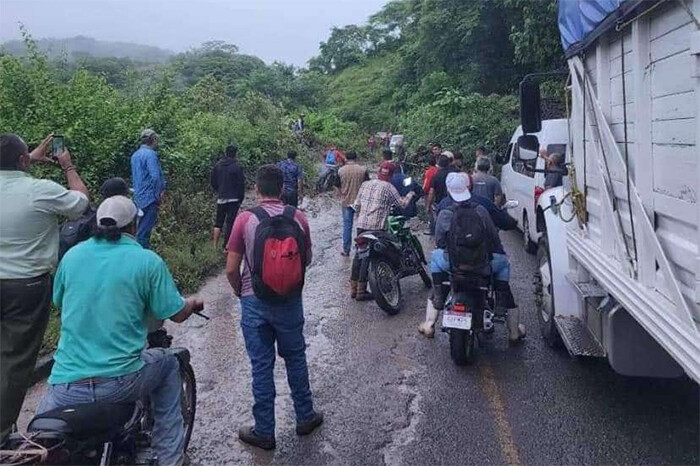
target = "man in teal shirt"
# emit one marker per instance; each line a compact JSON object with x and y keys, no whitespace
{"x":107,"y":288}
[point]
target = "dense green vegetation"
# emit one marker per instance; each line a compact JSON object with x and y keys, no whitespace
{"x":438,"y":70}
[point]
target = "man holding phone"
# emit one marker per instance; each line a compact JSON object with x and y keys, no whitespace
{"x":29,"y":214}
{"x":148,"y":183}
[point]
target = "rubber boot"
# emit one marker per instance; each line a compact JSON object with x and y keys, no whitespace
{"x":516,"y":330}
{"x":427,"y":328}
{"x":353,"y":289}
{"x":504,"y":297}
{"x":362,"y":293}
{"x":439,"y":290}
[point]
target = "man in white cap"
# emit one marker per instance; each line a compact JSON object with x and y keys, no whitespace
{"x":441,"y":264}
{"x":106,"y":288}
{"x":149,"y":184}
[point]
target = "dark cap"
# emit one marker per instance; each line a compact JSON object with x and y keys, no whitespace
{"x":114,"y":187}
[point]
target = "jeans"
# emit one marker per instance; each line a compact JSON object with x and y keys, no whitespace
{"x":500,"y":265}
{"x":159,"y":380}
{"x":263,"y":324}
{"x":359,"y":270}
{"x":146,"y":224}
{"x":290,"y":198}
{"x":24,"y":313}
{"x":348,"y":218}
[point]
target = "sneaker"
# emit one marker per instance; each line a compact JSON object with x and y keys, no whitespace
{"x":247,"y":434}
{"x":305,"y":428}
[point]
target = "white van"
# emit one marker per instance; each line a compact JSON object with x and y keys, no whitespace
{"x":525,"y":186}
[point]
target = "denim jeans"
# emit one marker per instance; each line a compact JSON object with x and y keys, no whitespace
{"x":263,"y":324}
{"x":348,"y":217}
{"x":500,"y":265}
{"x":146,"y":224}
{"x":159,"y":380}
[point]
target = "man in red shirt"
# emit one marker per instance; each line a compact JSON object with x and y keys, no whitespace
{"x":265,"y":324}
{"x":427,"y":180}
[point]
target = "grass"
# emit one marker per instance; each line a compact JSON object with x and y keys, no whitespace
{"x":53,"y":331}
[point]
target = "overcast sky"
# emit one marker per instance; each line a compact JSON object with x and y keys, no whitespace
{"x":284,"y":30}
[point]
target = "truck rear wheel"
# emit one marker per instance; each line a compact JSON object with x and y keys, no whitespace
{"x":544,"y":295}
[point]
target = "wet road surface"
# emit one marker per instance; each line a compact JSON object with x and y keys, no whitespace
{"x":391,"y":396}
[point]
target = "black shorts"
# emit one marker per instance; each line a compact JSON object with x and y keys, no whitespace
{"x":230,"y":209}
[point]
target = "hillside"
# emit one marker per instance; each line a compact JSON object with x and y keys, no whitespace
{"x":76,"y":47}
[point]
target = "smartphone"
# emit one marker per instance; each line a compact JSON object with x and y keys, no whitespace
{"x":58,"y":146}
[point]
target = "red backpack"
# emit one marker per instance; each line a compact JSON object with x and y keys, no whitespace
{"x":279,"y":261}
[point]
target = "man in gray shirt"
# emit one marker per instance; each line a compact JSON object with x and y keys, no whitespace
{"x":485,"y":184}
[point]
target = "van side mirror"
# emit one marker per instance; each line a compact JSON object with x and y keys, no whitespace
{"x":529,"y":147}
{"x":530,"y":110}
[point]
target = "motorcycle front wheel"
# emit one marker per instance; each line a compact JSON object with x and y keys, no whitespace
{"x":384,"y":283}
{"x":188,"y":399}
{"x":462,"y":347}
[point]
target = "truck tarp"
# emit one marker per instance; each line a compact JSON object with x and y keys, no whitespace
{"x":582,"y":21}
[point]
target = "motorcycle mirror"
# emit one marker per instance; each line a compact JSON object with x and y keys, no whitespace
{"x":512,"y":204}
{"x":408,"y":181}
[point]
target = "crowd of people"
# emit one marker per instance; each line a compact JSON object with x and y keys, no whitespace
{"x":111,"y":272}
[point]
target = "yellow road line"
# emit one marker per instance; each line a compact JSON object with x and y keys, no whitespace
{"x":503,"y":430}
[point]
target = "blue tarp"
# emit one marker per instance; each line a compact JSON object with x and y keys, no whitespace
{"x":581,"y":21}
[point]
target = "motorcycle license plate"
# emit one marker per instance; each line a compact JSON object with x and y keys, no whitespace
{"x":457,"y":320}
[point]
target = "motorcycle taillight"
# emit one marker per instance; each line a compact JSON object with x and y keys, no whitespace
{"x":360,"y":241}
{"x":459,"y":307}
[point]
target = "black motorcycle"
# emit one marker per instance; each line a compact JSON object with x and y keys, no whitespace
{"x":468,"y":317}
{"x":100,"y":433}
{"x":393,"y":254}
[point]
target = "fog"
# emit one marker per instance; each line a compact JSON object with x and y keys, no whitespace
{"x":283,"y":30}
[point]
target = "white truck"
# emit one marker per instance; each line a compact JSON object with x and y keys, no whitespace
{"x":619,"y":255}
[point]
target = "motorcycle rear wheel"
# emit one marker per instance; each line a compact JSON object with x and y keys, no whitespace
{"x":384,"y":283}
{"x":462,"y":347}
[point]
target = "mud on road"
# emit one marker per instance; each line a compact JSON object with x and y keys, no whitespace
{"x":392,"y":397}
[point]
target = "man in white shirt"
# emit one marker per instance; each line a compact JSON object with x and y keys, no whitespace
{"x":29,"y":212}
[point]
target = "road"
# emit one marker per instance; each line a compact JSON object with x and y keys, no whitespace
{"x":392,"y":397}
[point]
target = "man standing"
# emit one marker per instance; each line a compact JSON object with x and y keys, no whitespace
{"x":106,"y":288}
{"x":373,"y":204}
{"x":438,"y":189}
{"x":264,"y":322}
{"x":148,"y":183}
{"x":28,"y":254}
{"x":351,"y":178}
{"x":485,"y":184}
{"x":293,"y":189}
{"x":229,"y":183}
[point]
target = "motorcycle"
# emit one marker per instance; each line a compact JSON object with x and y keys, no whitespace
{"x":101,"y":433}
{"x":468,"y":315}
{"x":328,"y":180}
{"x":393,"y":254}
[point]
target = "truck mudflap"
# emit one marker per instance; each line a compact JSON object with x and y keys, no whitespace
{"x":567,"y":302}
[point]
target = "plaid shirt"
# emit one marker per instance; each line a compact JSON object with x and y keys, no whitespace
{"x":374,"y":202}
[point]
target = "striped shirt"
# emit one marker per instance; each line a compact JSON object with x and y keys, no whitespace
{"x":374,"y":202}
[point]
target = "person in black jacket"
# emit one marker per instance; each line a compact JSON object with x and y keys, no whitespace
{"x":229,"y":183}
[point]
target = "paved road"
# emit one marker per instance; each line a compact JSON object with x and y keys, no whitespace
{"x":393,"y":397}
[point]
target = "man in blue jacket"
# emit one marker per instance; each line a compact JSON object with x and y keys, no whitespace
{"x":148,"y":183}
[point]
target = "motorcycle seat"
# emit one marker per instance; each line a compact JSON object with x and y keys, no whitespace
{"x":88,"y":421}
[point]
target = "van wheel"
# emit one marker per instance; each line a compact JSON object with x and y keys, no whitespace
{"x":544,"y":295}
{"x":529,"y":246}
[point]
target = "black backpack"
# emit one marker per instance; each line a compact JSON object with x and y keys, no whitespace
{"x":467,"y":244}
{"x":279,"y":256}
{"x":76,"y":231}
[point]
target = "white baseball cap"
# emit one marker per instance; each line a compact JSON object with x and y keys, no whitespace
{"x":116,"y":211}
{"x":458,"y":186}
